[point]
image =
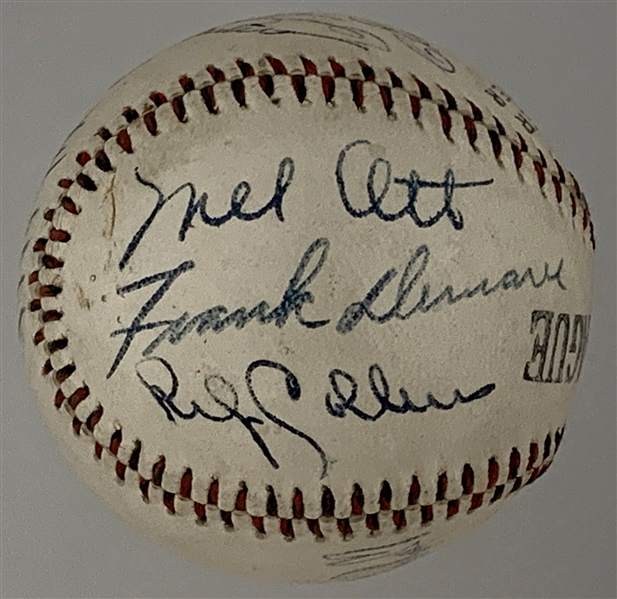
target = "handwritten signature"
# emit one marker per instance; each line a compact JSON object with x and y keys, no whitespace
{"x":373,"y":560}
{"x":413,"y":184}
{"x":403,"y":308}
{"x":219,"y":318}
{"x":379,"y":169}
{"x":159,"y":378}
{"x":339,"y":29}
{"x":199,"y":206}
{"x":411,"y":297}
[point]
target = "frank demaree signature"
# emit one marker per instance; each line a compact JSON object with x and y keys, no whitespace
{"x":412,"y":298}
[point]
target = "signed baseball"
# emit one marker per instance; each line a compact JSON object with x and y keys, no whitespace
{"x":304,"y":297}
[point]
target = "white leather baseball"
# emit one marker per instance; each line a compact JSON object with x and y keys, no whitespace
{"x":305,"y":296}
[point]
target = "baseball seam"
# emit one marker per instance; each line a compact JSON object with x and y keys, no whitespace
{"x":564,"y":185}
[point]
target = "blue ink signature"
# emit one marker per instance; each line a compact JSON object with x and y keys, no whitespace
{"x":225,"y":397}
{"x":380,"y":388}
{"x":239,"y":196}
{"x":297,"y":295}
{"x":403,"y":308}
{"x":413,"y":185}
{"x":219,"y":318}
{"x":197,"y":205}
{"x":163,"y":385}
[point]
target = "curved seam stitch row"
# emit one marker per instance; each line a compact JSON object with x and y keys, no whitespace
{"x":371,"y":521}
{"x":540,"y":165}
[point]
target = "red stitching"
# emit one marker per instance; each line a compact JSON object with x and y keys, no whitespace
{"x":357,"y":93}
{"x":470,"y":129}
{"x":158,"y":98}
{"x":83,"y":158}
{"x":57,"y":345}
{"x":207,"y":94}
{"x":59,"y":235}
{"x":245,"y":68}
{"x":51,"y":315}
{"x":177,"y":105}
{"x":310,"y":68}
{"x":102,"y":161}
{"x":338,"y":70}
{"x":130,"y":115}
{"x":85,"y":182}
{"x":104,"y":134}
{"x":124,"y":141}
{"x":237,"y":89}
{"x":495,"y":143}
{"x":216,"y":74}
{"x":277,"y":65}
{"x":51,"y":262}
{"x":150,"y":122}
{"x":69,"y":205}
{"x":39,"y":245}
{"x":446,"y":121}
{"x":372,"y":521}
{"x":187,"y":84}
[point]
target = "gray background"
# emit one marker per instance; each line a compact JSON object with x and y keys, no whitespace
{"x":555,"y":539}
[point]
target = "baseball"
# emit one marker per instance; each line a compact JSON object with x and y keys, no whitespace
{"x":304,"y":297}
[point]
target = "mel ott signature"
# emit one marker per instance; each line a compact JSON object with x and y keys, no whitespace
{"x":379,"y":169}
